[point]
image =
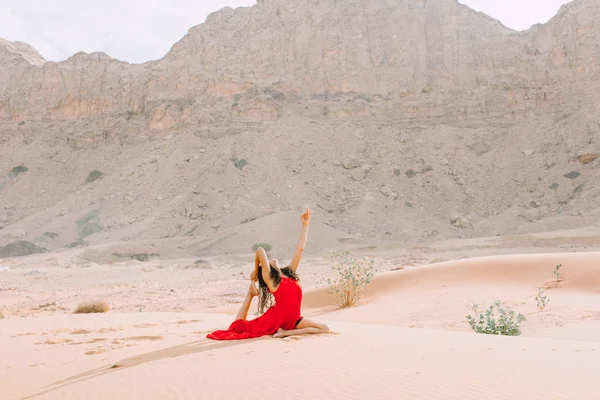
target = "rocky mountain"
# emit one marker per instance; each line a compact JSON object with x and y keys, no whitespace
{"x":393,"y":119}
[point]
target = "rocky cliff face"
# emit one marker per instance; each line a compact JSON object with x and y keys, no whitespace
{"x":400,"y":119}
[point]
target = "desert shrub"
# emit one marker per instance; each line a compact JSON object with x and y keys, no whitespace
{"x":93,"y":176}
{"x":236,"y":100}
{"x":557,"y":273}
{"x":352,"y":274}
{"x":92,"y":307}
{"x":265,"y":246}
{"x":541,"y":300}
{"x":496,"y":320}
{"x":239,"y":164}
{"x":16,"y":171}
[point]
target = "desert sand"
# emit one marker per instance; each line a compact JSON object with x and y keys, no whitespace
{"x":406,"y":338}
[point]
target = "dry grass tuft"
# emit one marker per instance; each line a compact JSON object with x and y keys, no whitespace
{"x":92,"y":307}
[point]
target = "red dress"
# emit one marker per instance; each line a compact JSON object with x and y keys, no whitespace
{"x":285,"y":313}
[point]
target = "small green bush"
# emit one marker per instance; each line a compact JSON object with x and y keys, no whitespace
{"x":265,"y":246}
{"x":557,"y":273}
{"x":352,"y":275}
{"x":542,"y":301}
{"x":239,"y":164}
{"x":496,"y":320}
{"x":236,"y":100}
{"x":16,"y":171}
{"x":94,"y":175}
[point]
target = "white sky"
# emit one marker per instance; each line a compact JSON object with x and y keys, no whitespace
{"x":142,"y":30}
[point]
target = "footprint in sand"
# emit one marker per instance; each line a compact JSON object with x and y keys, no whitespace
{"x":95,"y":340}
{"x":23,"y":334}
{"x":55,"y":341}
{"x":60,"y":331}
{"x":80,"y":332}
{"x":94,"y":352}
{"x":145,"y":325}
{"x":116,"y":344}
{"x":144,"y":338}
{"x":90,"y":341}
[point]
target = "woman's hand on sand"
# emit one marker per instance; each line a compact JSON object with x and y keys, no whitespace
{"x":305,"y":218}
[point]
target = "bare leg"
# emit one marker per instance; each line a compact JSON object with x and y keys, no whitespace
{"x":243,"y":313}
{"x":305,"y":327}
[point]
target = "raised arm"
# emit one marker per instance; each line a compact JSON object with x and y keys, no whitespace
{"x":305,"y":218}
{"x":262,"y":260}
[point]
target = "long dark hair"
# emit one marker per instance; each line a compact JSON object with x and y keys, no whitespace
{"x":265,"y":297}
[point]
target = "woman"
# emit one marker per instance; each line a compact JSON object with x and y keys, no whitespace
{"x":283,"y":318}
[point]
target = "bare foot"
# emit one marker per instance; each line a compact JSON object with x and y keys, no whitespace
{"x":281,"y":333}
{"x":252,"y":290}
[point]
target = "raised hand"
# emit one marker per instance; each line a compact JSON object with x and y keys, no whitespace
{"x":305,"y":218}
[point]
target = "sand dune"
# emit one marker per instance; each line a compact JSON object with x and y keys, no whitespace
{"x":406,"y":340}
{"x":365,"y":361}
{"x":439,"y":296}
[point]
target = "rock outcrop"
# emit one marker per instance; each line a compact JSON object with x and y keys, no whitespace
{"x":451,"y":111}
